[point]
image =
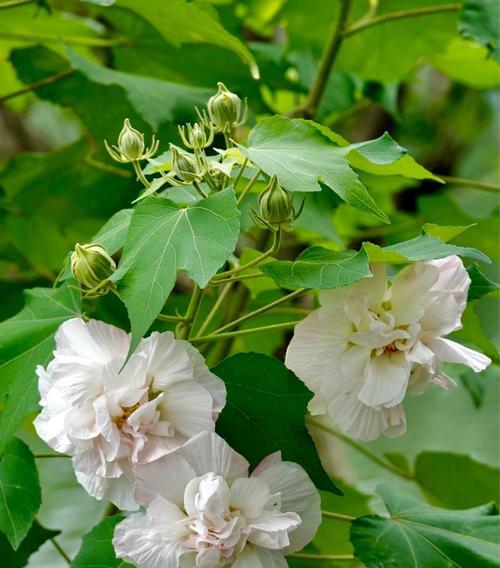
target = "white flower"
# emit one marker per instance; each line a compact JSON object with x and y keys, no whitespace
{"x":370,"y":344}
{"x":110,"y":419}
{"x":204,"y":511}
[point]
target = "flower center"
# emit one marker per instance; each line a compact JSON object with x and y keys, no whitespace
{"x":127,"y":411}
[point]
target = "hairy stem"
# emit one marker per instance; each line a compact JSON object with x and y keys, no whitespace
{"x":485,"y":186}
{"x":361,"y":449}
{"x":262,"y":310}
{"x":38,"y":84}
{"x":401,"y":14}
{"x":322,"y":557}
{"x":338,"y":516}
{"x":328,"y":58}
{"x":248,"y":187}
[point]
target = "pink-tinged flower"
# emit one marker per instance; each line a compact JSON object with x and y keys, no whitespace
{"x":110,"y":419}
{"x":204,"y":511}
{"x":370,"y":344}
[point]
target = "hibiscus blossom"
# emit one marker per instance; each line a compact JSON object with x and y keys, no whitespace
{"x":110,"y":419}
{"x":370,"y":344}
{"x":203,"y":510}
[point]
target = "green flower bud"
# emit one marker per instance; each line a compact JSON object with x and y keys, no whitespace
{"x":225,"y":109}
{"x":92,"y":266}
{"x":131,"y":146}
{"x":195,"y":136}
{"x":276,"y":208}
{"x":187,"y":167}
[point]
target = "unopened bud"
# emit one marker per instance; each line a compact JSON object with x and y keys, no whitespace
{"x":225,"y":109}
{"x":197,"y":136}
{"x":276,"y":207}
{"x":187,"y":167}
{"x":131,"y":146}
{"x":92,"y":266}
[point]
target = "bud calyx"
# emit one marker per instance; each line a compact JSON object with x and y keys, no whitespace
{"x":92,"y":266}
{"x":131,"y":147}
{"x":276,"y":208}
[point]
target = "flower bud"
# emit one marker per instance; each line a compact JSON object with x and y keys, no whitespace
{"x":276,"y":208}
{"x":187,"y":167}
{"x":92,"y":266}
{"x":225,"y":109}
{"x":195,"y":136}
{"x":131,"y":146}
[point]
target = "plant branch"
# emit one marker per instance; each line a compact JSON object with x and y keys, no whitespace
{"x":485,"y":186}
{"x":248,"y":187}
{"x":108,"y":168}
{"x":399,"y":15}
{"x":184,"y":328}
{"x":332,"y":47}
{"x":323,"y":557}
{"x":361,"y":449}
{"x":262,"y":310}
{"x":338,"y":516}
{"x":45,"y":456}
{"x":59,"y":549}
{"x":167,"y":317}
{"x":200,"y":191}
{"x":231,"y":334}
{"x":140,"y":174}
{"x":38,"y":84}
{"x":274,"y":247}
{"x":215,"y":308}
{"x":240,"y":172}
{"x":238,"y":278}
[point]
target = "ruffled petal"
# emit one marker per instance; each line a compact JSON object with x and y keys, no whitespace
{"x":412,"y":284}
{"x":257,"y":557}
{"x":453,"y":279}
{"x":452,"y":352}
{"x":386,"y":380}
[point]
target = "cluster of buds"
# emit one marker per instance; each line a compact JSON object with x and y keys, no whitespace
{"x":186,"y":168}
{"x":226,"y":110}
{"x":131,"y":147}
{"x":276,"y":208}
{"x":92,"y":266}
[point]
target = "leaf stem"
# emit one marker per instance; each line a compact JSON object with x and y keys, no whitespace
{"x":231,"y":334}
{"x":238,"y":278}
{"x":332,"y":47}
{"x":140,"y":174}
{"x":167,"y":317}
{"x":391,"y":16}
{"x":248,"y":187}
{"x":323,"y":557}
{"x":108,"y":168}
{"x":485,"y":186}
{"x":59,"y":549}
{"x":262,"y":310}
{"x":191,"y":313}
{"x":274,"y":247}
{"x":361,"y":449}
{"x":215,"y":308}
{"x":338,"y":516}
{"x":70,"y":40}
{"x":45,"y":456}
{"x":240,"y":172}
{"x":200,"y":191}
{"x":14,"y":3}
{"x":38,"y":84}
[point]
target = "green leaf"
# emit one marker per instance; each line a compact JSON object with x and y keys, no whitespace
{"x":445,"y":233}
{"x":302,"y":157}
{"x":155,"y":100}
{"x":27,"y":341}
{"x":20,"y":492}
{"x":418,"y":535}
{"x":268,"y":403}
{"x":479,"y":20}
{"x":420,"y":248}
{"x":480,"y":284}
{"x":97,"y":548}
{"x":181,"y":22}
{"x":114,"y":232}
{"x":475,"y":484}
{"x":164,"y":237}
{"x":318,"y":267}
{"x":36,"y":536}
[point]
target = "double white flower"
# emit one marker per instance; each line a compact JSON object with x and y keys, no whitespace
{"x":370,"y":344}
{"x":204,"y":510}
{"x":111,"y":420}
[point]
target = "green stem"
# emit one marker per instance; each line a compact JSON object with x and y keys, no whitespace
{"x":231,"y":334}
{"x":322,"y":557}
{"x":485,"y":186}
{"x":328,"y":58}
{"x":240,"y":172}
{"x":391,"y":16}
{"x":184,"y":328}
{"x":14,"y":3}
{"x":59,"y":549}
{"x":38,"y":84}
{"x":200,"y":191}
{"x":274,"y":247}
{"x":166,"y":317}
{"x":238,"y":278}
{"x":248,"y":187}
{"x":262,"y":310}
{"x":338,"y":516}
{"x":361,"y":449}
{"x":215,"y":308}
{"x":45,"y":456}
{"x":108,"y":168}
{"x":70,"y":40}
{"x":140,"y":174}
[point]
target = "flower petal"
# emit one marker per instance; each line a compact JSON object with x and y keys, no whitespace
{"x":386,"y":380}
{"x":452,"y":352}
{"x":257,"y":557}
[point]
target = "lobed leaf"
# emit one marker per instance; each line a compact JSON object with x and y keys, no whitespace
{"x":37,"y":535}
